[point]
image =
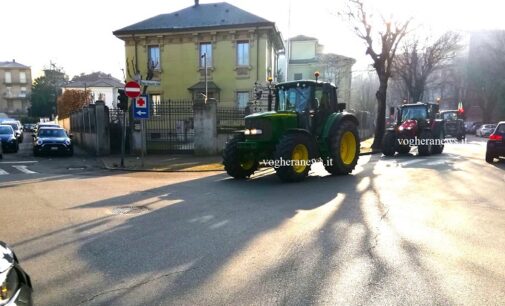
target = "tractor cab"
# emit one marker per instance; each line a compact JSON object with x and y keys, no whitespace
{"x":311,"y":101}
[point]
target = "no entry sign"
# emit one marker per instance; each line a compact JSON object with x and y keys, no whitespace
{"x":132,"y":89}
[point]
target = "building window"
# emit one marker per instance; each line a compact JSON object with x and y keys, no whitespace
{"x":205,"y":51}
{"x":8,"y":91}
{"x":22,"y":77}
{"x":23,"y":92}
{"x":242,"y":98}
{"x":298,"y":76}
{"x":243,"y":53}
{"x":8,"y":77}
{"x":154,"y":57}
{"x":156,"y":104}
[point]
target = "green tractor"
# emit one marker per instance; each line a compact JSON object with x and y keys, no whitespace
{"x":306,"y":125}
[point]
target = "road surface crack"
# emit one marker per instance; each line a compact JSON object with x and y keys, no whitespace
{"x":134,"y":285}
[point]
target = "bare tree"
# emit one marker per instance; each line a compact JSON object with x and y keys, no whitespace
{"x":486,"y":74}
{"x":382,"y":54}
{"x":419,"y":59}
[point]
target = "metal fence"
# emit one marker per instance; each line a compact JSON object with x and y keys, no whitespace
{"x":171,"y":127}
{"x":230,"y":118}
{"x":116,"y":122}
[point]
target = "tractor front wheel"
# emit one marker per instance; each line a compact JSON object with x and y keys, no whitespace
{"x":295,"y":151}
{"x":344,"y":147}
{"x":424,"y":148}
{"x":238,"y":165}
{"x":389,"y":144}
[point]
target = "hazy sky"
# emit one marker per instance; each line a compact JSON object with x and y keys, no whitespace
{"x":77,"y":35}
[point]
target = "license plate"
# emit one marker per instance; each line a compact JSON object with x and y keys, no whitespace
{"x":54,"y":148}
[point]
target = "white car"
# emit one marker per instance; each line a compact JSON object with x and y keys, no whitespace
{"x":485,"y":130}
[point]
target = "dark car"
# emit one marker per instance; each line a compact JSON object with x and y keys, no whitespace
{"x":8,"y":139}
{"x":496,"y":143}
{"x":15,"y":284}
{"x":18,"y":130}
{"x":52,"y":140}
{"x":473,"y":128}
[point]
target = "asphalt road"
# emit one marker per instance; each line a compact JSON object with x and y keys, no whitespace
{"x":406,"y":230}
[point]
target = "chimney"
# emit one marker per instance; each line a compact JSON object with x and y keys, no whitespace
{"x":13,"y":60}
{"x":197,"y":2}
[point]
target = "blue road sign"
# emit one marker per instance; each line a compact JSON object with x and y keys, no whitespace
{"x":141,"y":108}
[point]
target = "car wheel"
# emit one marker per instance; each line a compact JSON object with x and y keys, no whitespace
{"x":489,"y":157}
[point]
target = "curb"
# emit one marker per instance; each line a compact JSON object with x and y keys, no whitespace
{"x":157,"y":170}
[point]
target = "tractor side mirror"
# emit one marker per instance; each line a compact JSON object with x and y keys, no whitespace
{"x":341,"y":107}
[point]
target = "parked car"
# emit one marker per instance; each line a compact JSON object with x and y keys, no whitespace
{"x":473,"y":128}
{"x":496,"y":143}
{"x":45,"y":124}
{"x":8,"y":139}
{"x":16,"y":285}
{"x":485,"y":130}
{"x":29,"y":127}
{"x":1,"y":150}
{"x":18,"y":130}
{"x":52,"y":140}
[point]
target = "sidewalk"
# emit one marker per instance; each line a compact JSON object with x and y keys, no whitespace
{"x":182,"y":163}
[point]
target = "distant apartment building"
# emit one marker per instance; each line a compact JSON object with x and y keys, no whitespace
{"x":15,"y":89}
{"x":306,"y":56}
{"x":237,"y":47}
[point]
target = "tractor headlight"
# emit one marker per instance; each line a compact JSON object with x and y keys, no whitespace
{"x":400,"y":128}
{"x":10,"y":283}
{"x":253,"y":132}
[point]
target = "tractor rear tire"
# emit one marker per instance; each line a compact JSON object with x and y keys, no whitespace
{"x":438,"y":148}
{"x":234,"y":164}
{"x":403,"y":149}
{"x":344,"y":147}
{"x":389,"y":144}
{"x":425,"y":136}
{"x":296,"y":149}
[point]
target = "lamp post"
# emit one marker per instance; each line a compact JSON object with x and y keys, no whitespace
{"x":204,"y":56}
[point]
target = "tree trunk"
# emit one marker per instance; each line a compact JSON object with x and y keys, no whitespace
{"x":380,"y":126}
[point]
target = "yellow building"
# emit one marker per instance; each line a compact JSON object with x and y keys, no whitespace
{"x":240,"y":49}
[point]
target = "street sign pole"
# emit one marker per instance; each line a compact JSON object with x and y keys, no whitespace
{"x":142,"y":139}
{"x":123,"y":139}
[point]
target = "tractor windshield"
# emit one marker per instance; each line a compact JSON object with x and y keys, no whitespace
{"x":293,"y":98}
{"x":414,"y":113}
{"x":450,"y":116}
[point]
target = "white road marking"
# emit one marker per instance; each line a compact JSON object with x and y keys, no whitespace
{"x":24,"y":169}
{"x":436,"y":163}
{"x":19,"y":162}
{"x":3,"y":172}
{"x":410,"y":162}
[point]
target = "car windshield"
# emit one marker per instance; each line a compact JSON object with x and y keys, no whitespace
{"x":293,"y":98}
{"x":450,"y":116}
{"x":414,"y":113}
{"x":52,"y":133}
{"x":6,"y":130}
{"x":489,"y":126}
{"x":12,"y":124}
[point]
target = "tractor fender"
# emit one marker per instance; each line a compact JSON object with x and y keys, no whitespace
{"x":309,"y":135}
{"x":334,"y":120}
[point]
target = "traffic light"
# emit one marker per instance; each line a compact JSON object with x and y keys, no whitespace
{"x":122,"y":100}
